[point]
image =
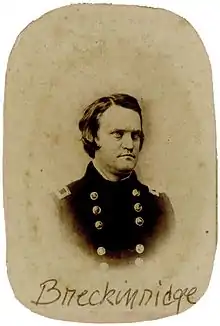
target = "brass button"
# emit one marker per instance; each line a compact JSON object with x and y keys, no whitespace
{"x":136,"y":192}
{"x":99,"y":225}
{"x":138,"y":207}
{"x":139,"y":248}
{"x":139,"y":262}
{"x":94,"y":195}
{"x":139,"y":221}
{"x":96,"y":210}
{"x":101,"y":251}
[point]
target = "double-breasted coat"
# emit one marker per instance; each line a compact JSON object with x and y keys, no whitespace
{"x":115,"y":220}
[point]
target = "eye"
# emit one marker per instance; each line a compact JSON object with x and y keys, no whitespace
{"x":135,"y":135}
{"x":118,"y":134}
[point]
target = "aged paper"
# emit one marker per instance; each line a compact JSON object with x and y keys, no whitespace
{"x":60,"y":64}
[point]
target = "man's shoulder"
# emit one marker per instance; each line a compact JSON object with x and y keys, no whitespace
{"x":149,"y":190}
{"x":153,"y":191}
{"x":70,"y":190}
{"x":160,"y":198}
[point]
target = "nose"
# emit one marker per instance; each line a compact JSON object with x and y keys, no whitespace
{"x":127,"y":141}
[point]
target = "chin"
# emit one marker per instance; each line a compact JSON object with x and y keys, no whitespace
{"x":126,"y":168}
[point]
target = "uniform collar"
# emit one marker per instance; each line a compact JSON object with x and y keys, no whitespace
{"x":95,"y":176}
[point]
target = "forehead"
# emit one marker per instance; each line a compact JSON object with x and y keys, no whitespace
{"x":117,"y":117}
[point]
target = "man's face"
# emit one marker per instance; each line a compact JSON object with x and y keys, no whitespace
{"x":119,"y":139}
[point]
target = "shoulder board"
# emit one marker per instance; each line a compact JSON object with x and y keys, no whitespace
{"x":63,"y":192}
{"x":154,"y":192}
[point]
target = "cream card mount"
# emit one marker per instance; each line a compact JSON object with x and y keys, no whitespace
{"x":109,"y":165}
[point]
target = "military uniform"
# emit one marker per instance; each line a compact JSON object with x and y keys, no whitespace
{"x":115,"y":220}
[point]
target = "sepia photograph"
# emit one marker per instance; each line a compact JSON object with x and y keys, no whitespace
{"x":109,"y":164}
{"x":116,"y":215}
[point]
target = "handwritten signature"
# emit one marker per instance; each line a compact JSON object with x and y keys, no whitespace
{"x":51,"y":292}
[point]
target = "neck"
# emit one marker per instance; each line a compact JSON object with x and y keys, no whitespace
{"x":106,"y":174}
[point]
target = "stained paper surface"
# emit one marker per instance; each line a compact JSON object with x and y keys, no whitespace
{"x":59,"y":64}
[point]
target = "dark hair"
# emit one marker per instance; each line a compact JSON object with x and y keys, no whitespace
{"x":89,"y":123}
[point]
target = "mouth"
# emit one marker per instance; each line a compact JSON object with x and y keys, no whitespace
{"x":127,"y":155}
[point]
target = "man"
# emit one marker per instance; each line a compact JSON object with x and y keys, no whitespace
{"x":114,"y":214}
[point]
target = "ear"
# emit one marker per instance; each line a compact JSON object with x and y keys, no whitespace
{"x":96,"y":139}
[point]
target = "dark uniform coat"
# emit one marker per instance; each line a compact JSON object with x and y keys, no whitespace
{"x":114,"y":220}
